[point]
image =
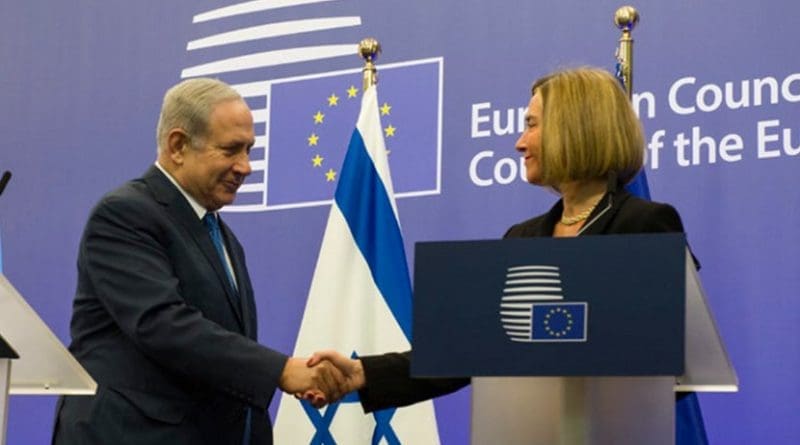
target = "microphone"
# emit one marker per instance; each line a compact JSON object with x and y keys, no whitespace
{"x":611,"y":188}
{"x":611,"y":185}
{"x":4,"y":180}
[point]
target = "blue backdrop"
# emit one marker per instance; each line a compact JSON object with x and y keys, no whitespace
{"x":717,"y":86}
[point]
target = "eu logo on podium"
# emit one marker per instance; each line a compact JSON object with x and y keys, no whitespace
{"x":533,"y":307}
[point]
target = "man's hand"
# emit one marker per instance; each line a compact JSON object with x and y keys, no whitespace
{"x":319,"y":384}
{"x":351,"y":370}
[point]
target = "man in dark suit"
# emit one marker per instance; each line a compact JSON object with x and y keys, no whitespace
{"x":164,"y":317}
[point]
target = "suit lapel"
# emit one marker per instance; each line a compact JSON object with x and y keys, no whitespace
{"x":240,"y":275}
{"x":605,"y":212}
{"x":168,"y":195}
{"x":548,"y":223}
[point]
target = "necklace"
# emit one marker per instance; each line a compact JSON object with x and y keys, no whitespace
{"x":572,"y":220}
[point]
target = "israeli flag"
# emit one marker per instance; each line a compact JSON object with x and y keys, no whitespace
{"x":360,"y":299}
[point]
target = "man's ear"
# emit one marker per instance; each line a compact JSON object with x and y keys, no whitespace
{"x":177,"y":144}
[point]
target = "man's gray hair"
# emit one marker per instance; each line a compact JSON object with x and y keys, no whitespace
{"x":188,"y":105}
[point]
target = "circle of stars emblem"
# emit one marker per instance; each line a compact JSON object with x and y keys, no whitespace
{"x":558,"y":322}
{"x":314,"y":140}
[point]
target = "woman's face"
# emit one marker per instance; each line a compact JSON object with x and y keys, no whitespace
{"x":530,"y":142}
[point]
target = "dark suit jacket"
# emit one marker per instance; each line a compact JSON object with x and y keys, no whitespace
{"x":156,"y":323}
{"x":388,"y":377}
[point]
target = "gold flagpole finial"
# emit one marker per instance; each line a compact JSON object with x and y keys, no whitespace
{"x":626,"y":19}
{"x":369,"y":49}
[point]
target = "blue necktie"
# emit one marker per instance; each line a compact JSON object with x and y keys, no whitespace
{"x":211,"y":223}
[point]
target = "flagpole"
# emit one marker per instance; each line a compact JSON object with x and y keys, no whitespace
{"x":369,"y":49}
{"x":689,"y":425}
{"x":626,"y":19}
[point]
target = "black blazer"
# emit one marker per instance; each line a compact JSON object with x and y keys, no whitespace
{"x":156,"y":323}
{"x":388,"y":376}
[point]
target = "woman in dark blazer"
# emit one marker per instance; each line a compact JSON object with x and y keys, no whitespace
{"x":583,"y":140}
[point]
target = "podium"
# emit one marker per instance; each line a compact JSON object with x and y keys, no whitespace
{"x":579,"y":340}
{"x":32,"y":359}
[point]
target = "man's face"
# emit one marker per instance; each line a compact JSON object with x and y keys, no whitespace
{"x":213,"y":171}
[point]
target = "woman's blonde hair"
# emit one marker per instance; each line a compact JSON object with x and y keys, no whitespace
{"x":589,"y":128}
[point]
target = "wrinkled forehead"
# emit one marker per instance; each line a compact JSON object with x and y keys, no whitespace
{"x":229,"y":111}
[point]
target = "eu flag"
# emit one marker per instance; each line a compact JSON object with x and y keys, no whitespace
{"x":557,"y":322}
{"x":309,"y":124}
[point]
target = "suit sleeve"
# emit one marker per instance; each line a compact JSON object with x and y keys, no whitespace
{"x":389,"y":383}
{"x":125,"y":256}
{"x":664,"y":218}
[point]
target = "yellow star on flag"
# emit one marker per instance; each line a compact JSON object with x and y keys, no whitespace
{"x":352,"y":91}
{"x":333,"y":100}
{"x":317,"y":160}
{"x":313,"y":139}
{"x":330,"y":175}
{"x":385,"y":108}
{"x":389,"y":130}
{"x":318,"y":117}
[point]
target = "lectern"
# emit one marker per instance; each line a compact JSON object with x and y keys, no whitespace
{"x":32,"y":359}
{"x":569,"y":340}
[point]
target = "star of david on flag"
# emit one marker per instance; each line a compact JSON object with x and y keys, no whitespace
{"x":360,"y":299}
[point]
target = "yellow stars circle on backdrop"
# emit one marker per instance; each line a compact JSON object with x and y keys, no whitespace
{"x":314,"y":140}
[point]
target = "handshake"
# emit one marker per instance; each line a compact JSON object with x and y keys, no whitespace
{"x":324,"y":378}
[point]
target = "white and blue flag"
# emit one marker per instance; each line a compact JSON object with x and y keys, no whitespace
{"x":360,"y":299}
